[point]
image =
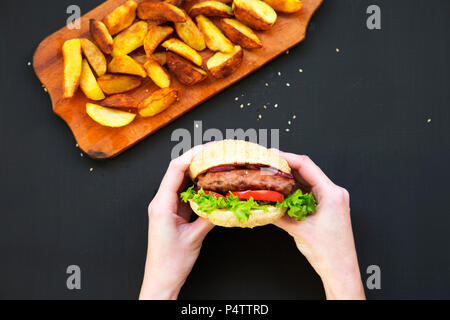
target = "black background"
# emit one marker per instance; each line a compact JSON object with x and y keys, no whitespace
{"x":361,"y":115}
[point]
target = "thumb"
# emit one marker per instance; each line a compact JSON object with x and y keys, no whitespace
{"x":200,"y":228}
{"x":287,"y":224}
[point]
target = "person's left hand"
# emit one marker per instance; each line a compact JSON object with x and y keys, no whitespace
{"x":173,"y":243}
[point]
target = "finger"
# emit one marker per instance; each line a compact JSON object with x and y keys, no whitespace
{"x":176,"y":174}
{"x":287,"y":224}
{"x":307,"y":169}
{"x":200,"y":228}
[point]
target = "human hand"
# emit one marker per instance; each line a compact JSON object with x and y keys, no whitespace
{"x":173,"y":243}
{"x":325,"y":238}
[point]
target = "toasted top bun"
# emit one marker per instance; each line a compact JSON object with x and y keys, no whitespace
{"x":226,"y":218}
{"x":235,"y":152}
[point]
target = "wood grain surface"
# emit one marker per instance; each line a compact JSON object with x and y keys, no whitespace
{"x":101,"y":142}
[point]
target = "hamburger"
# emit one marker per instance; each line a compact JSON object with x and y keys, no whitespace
{"x":242,"y":184}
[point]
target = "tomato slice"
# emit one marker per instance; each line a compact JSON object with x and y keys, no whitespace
{"x":261,"y":195}
{"x":214,"y":194}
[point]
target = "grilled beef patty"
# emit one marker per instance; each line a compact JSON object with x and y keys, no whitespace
{"x":245,"y":179}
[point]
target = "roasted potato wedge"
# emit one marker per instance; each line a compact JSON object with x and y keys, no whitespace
{"x":211,"y":8}
{"x":190,"y":34}
{"x":118,"y":83}
{"x":139,"y":57}
{"x":157,"y":73}
{"x":126,"y":64}
{"x":89,"y":84}
{"x":130,"y":39}
{"x":121,"y":18}
{"x":109,"y":117}
{"x":176,"y":3}
{"x":95,"y":56}
{"x":240,"y":34}
{"x":215,"y":39}
{"x":120,"y":101}
{"x":256,"y":14}
{"x":286,"y":6}
{"x":160,"y":11}
{"x":101,"y":36}
{"x":186,"y":72}
{"x":154,"y":37}
{"x":160,"y":57}
{"x":72,"y":66}
{"x":157,"y":102}
{"x":221,"y":65}
{"x":183,"y":50}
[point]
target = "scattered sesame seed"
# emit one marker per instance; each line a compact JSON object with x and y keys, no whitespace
{"x":81,"y":155}
{"x":429,"y":120}
{"x":294,"y":117}
{"x":242,"y":106}
{"x":288,"y":84}
{"x":287,"y":52}
{"x":45,"y":89}
{"x":265,"y":107}
{"x":76,"y":145}
{"x":236,"y":99}
{"x":29,"y":63}
{"x":300,"y":70}
{"x":92,"y":169}
{"x":289,"y":122}
{"x":287,"y":130}
{"x":279,"y":73}
{"x":276,"y":105}
{"x":337,"y":50}
{"x":260,"y":116}
{"x":249,"y":104}
{"x":266,"y":84}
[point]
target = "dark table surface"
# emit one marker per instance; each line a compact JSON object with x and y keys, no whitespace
{"x":362,"y":115}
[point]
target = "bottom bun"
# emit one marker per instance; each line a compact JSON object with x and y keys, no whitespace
{"x":226,"y":218}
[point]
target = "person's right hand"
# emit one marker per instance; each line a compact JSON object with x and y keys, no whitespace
{"x":325,"y":238}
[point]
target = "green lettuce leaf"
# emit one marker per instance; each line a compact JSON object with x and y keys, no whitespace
{"x":299,"y":205}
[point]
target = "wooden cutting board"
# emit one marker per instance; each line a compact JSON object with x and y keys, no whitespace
{"x":103,"y":142}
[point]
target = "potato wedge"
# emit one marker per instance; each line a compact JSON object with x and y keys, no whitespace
{"x":286,"y":6}
{"x":130,"y":39}
{"x":160,"y":57}
{"x":139,"y":57}
{"x":160,"y":11}
{"x":222,"y":65}
{"x":95,"y":56}
{"x":256,"y":14}
{"x":126,"y":64}
{"x":109,"y":117}
{"x":72,"y":66}
{"x":190,"y":34}
{"x":211,"y":8}
{"x":176,"y":3}
{"x":101,"y":36}
{"x":186,"y":72}
{"x":154,"y":37}
{"x":157,"y":73}
{"x":157,"y":102}
{"x":240,"y":34}
{"x":115,"y":83}
{"x":121,"y":18}
{"x":215,"y":39}
{"x":89,"y":84}
{"x":120,"y":101}
{"x":183,"y":50}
